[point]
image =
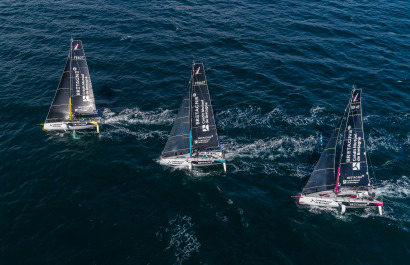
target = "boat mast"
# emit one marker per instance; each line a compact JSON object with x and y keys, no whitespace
{"x":69,"y":100}
{"x":344,"y":135}
{"x":190,"y":109}
{"x":364,"y":138}
{"x":334,"y":166}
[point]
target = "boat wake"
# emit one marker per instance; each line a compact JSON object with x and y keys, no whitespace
{"x":398,"y":188}
{"x":270,"y":155}
{"x":285,"y":146}
{"x":136,"y":116}
{"x":140,"y":124}
{"x":181,"y":238}
{"x":386,"y":138}
{"x":252,"y":117}
{"x":128,"y":37}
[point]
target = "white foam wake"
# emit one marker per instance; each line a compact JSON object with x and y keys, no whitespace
{"x":140,"y":124}
{"x":181,"y":237}
{"x":394,"y":188}
{"x":136,"y":116}
{"x":252,"y":117}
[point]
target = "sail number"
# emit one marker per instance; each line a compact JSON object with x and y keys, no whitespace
{"x":200,"y":83}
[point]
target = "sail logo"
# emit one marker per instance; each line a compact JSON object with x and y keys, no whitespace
{"x":203,"y":139}
{"x":86,"y":98}
{"x":351,"y":180}
{"x":356,"y":166}
{"x":76,"y":47}
{"x":320,"y":201}
{"x":77,"y":80}
{"x":355,"y":97}
{"x":196,"y":108}
{"x":197,"y":70}
{"x":205,"y":128}
{"x":349,"y":133}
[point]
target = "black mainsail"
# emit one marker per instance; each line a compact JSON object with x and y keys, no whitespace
{"x":353,"y":161}
{"x":194,"y":126}
{"x":204,"y":134}
{"x":82,"y":96}
{"x":74,"y":94}
{"x":323,"y":176}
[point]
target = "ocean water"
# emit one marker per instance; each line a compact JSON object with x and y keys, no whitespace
{"x":279,"y":74}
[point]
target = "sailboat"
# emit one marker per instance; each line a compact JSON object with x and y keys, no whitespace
{"x":193,"y":140}
{"x":73,"y":107}
{"x":348,"y":185}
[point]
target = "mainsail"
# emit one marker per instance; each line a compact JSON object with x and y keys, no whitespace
{"x":82,"y":96}
{"x":178,"y":140}
{"x":353,"y":161}
{"x":204,"y":134}
{"x":323,"y":176}
{"x":74,"y":94}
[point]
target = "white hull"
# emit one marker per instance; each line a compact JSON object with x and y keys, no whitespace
{"x":70,"y":126}
{"x":352,"y":199}
{"x":206,"y":158}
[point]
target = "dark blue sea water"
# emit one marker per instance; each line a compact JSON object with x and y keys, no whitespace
{"x":279,"y":74}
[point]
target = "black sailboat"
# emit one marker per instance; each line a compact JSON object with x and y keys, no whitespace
{"x":193,"y":140}
{"x":73,"y":107}
{"x":348,"y":185}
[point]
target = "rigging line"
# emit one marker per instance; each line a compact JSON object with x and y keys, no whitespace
{"x":371,"y":166}
{"x":344,"y":134}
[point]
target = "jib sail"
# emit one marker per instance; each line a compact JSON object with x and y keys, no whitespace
{"x":353,"y":163}
{"x":203,"y":129}
{"x":323,"y":176}
{"x":60,"y":108}
{"x":178,"y":140}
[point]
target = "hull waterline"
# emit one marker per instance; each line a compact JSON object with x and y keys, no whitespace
{"x":188,"y":161}
{"x":70,"y":126}
{"x":344,"y":202}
